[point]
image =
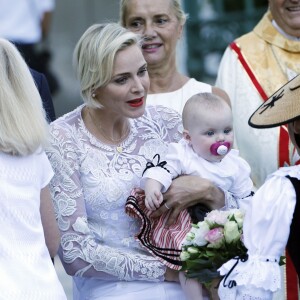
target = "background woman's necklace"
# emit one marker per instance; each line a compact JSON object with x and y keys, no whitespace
{"x":118,"y":141}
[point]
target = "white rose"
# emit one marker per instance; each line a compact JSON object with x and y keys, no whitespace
{"x":238,"y":216}
{"x":200,"y":233}
{"x":184,"y":255}
{"x":231,"y":232}
{"x":192,"y":250}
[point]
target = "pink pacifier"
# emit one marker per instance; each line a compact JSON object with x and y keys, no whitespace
{"x":220,"y":148}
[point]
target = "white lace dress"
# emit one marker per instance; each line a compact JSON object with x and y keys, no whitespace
{"x":266,"y":232}
{"x":91,"y":184}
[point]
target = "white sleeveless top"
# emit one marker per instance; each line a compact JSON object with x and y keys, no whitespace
{"x":177,"y":99}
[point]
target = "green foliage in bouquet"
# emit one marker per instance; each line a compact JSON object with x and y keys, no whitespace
{"x":211,"y":243}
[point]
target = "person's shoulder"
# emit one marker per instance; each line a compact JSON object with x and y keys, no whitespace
{"x":160,"y":110}
{"x":242,"y":43}
{"x":70,"y":118}
{"x":179,"y":151}
{"x":279,"y":182}
{"x":292,"y":171}
{"x":200,"y":86}
{"x":40,"y":155}
{"x":234,"y":156}
{"x":162,"y":118}
{"x":37,"y":76}
{"x":35,"y":73}
{"x":180,"y":146}
{"x":247,"y":40}
{"x":67,"y":129}
{"x":255,"y":36}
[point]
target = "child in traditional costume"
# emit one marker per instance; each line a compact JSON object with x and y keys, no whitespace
{"x":272,"y":221}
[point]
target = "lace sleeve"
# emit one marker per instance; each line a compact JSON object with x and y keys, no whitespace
{"x":81,"y":252}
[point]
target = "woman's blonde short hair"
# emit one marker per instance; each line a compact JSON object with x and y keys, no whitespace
{"x":94,"y":56}
{"x":176,"y":4}
{"x":23,"y":125}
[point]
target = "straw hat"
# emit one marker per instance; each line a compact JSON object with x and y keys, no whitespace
{"x":281,"y":108}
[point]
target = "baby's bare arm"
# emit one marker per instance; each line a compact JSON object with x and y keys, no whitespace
{"x":153,"y":195}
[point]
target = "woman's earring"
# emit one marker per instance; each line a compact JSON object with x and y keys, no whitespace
{"x":93,"y":95}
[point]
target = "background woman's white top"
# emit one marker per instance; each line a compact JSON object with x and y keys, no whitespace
{"x":177,"y":99}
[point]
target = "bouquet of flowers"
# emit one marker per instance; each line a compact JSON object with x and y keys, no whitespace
{"x":211,"y":243}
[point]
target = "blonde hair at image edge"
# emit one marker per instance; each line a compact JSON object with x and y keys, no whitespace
{"x":94,"y":57}
{"x":23,"y":124}
{"x":199,"y":105}
{"x":176,"y":4}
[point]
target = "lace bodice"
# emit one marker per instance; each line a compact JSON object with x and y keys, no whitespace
{"x":91,"y":184}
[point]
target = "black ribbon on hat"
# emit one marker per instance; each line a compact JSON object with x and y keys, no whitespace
{"x":232,"y":283}
{"x":159,"y":164}
{"x":272,"y":102}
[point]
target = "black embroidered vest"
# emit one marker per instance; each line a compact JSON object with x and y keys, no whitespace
{"x":293,"y":245}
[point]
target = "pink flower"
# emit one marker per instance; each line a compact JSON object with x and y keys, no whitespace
{"x":215,"y":237}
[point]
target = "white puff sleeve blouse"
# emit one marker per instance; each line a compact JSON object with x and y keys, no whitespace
{"x":266,"y":232}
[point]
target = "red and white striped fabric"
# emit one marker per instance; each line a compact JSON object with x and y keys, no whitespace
{"x":164,"y":243}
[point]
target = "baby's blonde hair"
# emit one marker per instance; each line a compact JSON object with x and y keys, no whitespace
{"x":198,"y":105}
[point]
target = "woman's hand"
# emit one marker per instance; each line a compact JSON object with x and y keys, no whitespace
{"x":187,"y":191}
{"x":171,"y":275}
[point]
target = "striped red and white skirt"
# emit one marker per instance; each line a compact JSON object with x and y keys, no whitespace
{"x":161,"y":241}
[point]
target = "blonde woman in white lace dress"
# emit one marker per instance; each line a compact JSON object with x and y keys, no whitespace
{"x":98,"y":152}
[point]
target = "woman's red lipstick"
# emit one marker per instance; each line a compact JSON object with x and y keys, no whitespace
{"x":136,"y":102}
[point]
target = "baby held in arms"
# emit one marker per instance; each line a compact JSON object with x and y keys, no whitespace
{"x":205,"y":150}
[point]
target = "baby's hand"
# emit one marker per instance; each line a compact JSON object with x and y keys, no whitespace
{"x":153,"y":200}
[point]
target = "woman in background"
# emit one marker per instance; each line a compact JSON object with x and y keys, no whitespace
{"x":161,"y":24}
{"x":31,"y":236}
